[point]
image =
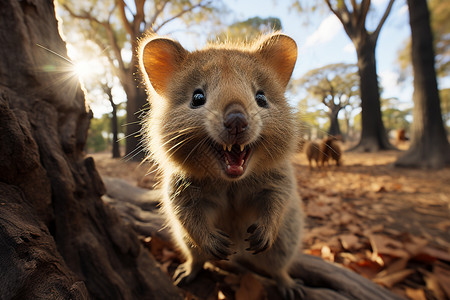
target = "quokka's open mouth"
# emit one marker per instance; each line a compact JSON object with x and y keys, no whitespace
{"x":234,"y":159}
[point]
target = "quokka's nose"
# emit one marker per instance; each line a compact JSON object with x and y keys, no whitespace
{"x":235,"y":122}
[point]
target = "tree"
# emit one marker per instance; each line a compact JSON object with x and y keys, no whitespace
{"x":335,"y":86}
{"x":58,"y":240}
{"x":249,"y":29}
{"x":115,"y":26}
{"x":429,"y":147}
{"x":439,"y":16}
{"x":353,"y":17}
{"x":98,"y":80}
{"x":445,"y":106}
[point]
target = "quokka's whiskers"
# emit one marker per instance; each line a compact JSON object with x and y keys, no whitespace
{"x":178,"y":146}
{"x":139,"y":148}
{"x":180,"y":134}
{"x":267,"y":150}
{"x":203,"y":141}
{"x":136,"y":133}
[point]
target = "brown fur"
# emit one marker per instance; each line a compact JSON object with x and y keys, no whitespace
{"x":253,"y":217}
{"x":312,"y":150}
{"x":330,"y":149}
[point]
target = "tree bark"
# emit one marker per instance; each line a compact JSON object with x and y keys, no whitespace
{"x":335,"y":129}
{"x":114,"y":122}
{"x":429,"y":144}
{"x":58,"y":240}
{"x":136,"y":105}
{"x":373,"y":135}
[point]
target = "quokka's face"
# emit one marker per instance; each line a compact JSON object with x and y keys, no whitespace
{"x":219,"y":112}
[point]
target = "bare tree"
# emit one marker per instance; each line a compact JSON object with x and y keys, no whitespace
{"x":353,"y":18}
{"x":335,"y":86}
{"x":98,"y":22}
{"x":430,"y":147}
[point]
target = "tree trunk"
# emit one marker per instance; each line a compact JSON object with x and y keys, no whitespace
{"x":114,"y":126}
{"x":429,"y":144}
{"x":136,"y":105}
{"x":115,"y":132}
{"x":373,"y":135}
{"x":58,"y":240}
{"x":335,"y":129}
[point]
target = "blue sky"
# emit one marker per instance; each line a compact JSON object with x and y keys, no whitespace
{"x":322,"y":40}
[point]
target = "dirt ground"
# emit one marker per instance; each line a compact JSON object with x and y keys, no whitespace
{"x":391,"y":225}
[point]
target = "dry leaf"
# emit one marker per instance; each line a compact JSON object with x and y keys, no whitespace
{"x":382,"y":244}
{"x":366,"y":268}
{"x":391,"y":279}
{"x":415,"y":294}
{"x":350,"y":241}
{"x":442,"y":273}
{"x":317,"y":210}
{"x":433,"y":284}
{"x":250,"y":289}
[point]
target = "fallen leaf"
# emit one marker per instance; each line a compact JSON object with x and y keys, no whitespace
{"x":396,"y":266}
{"x":366,"y":268}
{"x":250,"y":289}
{"x":442,"y":273}
{"x":432,"y":283}
{"x":317,"y":210}
{"x":443,"y":225}
{"x":350,"y":241}
{"x":431,"y":254}
{"x":391,"y":279}
{"x":415,"y":294}
{"x":382,"y":244}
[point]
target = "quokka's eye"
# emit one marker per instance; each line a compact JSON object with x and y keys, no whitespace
{"x":261,"y":99}
{"x":198,"y":98}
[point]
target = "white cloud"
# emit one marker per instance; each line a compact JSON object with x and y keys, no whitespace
{"x":349,"y":48}
{"x":379,"y":2}
{"x":389,"y":82}
{"x":403,"y":10}
{"x":326,"y":31}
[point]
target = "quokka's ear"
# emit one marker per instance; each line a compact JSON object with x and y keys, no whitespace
{"x":159,"y":58}
{"x":280,"y":53}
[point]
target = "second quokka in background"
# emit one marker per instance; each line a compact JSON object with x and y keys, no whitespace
{"x":323,"y":151}
{"x":222,"y":134}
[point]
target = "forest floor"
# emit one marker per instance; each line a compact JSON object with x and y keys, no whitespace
{"x":391,"y":225}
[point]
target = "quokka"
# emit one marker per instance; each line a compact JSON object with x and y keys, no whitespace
{"x":222,"y":134}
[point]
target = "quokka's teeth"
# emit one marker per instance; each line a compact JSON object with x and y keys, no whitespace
{"x":224,"y":147}
{"x":229,"y":147}
{"x":242,"y":147}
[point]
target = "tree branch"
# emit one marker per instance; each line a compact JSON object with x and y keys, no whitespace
{"x":181,"y":13}
{"x":138,"y":18}
{"x":376,"y":33}
{"x":158,"y":11}
{"x":123,"y":17}
{"x":365,"y":5}
{"x":344,"y":16}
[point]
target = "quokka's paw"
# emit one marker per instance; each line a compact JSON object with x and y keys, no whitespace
{"x":186,"y":272}
{"x":218,"y":245}
{"x":260,"y":238}
{"x":293,"y":292}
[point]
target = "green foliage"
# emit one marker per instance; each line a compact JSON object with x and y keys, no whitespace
{"x":249,"y":29}
{"x":445,"y":106}
{"x":440,"y":16}
{"x":313,"y":122}
{"x":334,"y":84}
{"x":99,"y":134}
{"x":96,"y":141}
{"x":393,"y":117}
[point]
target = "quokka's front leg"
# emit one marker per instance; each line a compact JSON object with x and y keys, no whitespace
{"x":271,"y":205}
{"x":197,"y":236}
